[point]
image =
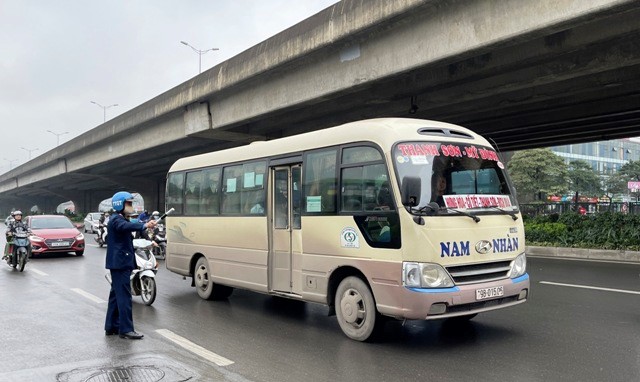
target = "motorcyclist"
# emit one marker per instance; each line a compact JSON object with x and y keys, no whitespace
{"x":17,"y":225}
{"x":152,"y":233}
{"x":144,"y":217}
{"x":102,"y":222}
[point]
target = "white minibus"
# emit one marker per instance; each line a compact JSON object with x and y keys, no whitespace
{"x":401,"y":218}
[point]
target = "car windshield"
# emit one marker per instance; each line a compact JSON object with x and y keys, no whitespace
{"x":460,"y":176}
{"x":52,"y":222}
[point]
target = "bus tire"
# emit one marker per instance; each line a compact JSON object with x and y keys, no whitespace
{"x":356,"y":309}
{"x":207,"y":289}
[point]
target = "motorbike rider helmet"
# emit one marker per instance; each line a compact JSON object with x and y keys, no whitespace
{"x":17,"y":212}
{"x":118,"y":200}
{"x":155,"y":213}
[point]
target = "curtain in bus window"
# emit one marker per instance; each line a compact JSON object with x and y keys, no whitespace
{"x":174,"y":192}
{"x":320,"y":181}
{"x":192,"y":193}
{"x":210,"y":194}
{"x":231,"y":186}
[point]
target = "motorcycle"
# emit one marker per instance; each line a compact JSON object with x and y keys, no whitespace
{"x":19,"y":250}
{"x":159,"y":236}
{"x":101,"y":235}
{"x":143,"y":278}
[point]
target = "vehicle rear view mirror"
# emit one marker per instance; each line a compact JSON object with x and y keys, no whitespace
{"x":410,"y":191}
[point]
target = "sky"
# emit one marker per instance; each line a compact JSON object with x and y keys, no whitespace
{"x":58,"y":56}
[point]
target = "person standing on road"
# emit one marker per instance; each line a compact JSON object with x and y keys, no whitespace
{"x":121,"y":261}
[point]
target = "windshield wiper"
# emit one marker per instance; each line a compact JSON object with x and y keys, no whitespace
{"x":435,"y":208}
{"x":510,"y":213}
{"x":472,"y":216}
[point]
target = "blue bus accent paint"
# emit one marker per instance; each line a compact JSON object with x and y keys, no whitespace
{"x":435,"y":290}
{"x":521,"y":278}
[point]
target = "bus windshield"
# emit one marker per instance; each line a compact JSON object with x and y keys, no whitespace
{"x":453,"y":175}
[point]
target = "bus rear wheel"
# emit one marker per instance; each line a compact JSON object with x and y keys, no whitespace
{"x":207,"y":289}
{"x":356,"y":309}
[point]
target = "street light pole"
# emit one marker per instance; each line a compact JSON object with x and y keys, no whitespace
{"x":29,"y":151}
{"x":58,"y":135}
{"x":11,"y":162}
{"x":104,"y":109}
{"x":200,"y":53}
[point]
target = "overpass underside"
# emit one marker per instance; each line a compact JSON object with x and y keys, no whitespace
{"x":523,"y":73}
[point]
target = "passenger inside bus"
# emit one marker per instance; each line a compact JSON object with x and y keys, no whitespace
{"x":439,"y":185}
{"x":384,"y":199}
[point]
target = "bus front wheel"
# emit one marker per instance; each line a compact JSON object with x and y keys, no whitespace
{"x":207,"y":289}
{"x":356,"y":309}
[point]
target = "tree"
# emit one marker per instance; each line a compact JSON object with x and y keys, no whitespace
{"x":614,"y":184}
{"x":630,"y":171}
{"x":583,"y":179}
{"x":537,"y":172}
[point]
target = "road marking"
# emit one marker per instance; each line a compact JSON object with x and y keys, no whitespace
{"x":196,"y":349}
{"x":37,"y":271}
{"x":590,"y":287}
{"x":92,"y":245}
{"x":88,"y":295}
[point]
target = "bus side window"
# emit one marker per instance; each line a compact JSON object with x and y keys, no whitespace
{"x":320,"y":181}
{"x":231,"y":186}
{"x":174,"y":192}
{"x":192,"y":193}
{"x":210,"y":194}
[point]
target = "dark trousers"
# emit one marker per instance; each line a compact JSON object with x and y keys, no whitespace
{"x":119,"y":311}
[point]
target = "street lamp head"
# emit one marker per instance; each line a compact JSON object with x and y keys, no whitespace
{"x":184,"y":43}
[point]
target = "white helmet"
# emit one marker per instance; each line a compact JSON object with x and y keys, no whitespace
{"x":155,"y":213}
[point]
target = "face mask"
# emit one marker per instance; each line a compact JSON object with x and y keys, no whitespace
{"x":134,"y":220}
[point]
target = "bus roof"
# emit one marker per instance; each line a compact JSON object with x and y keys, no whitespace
{"x":383,"y":131}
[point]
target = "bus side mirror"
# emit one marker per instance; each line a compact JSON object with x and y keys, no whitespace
{"x":410,"y":191}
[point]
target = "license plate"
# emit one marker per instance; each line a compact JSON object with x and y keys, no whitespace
{"x":59,"y":244}
{"x":485,"y":293}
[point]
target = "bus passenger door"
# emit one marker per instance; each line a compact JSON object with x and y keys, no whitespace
{"x":285,"y":225}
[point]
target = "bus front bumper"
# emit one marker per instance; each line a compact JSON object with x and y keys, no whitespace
{"x":429,"y":304}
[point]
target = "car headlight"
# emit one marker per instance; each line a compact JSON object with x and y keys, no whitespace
{"x":35,"y":238}
{"x":518,"y":266}
{"x":425,"y":275}
{"x":80,"y":237}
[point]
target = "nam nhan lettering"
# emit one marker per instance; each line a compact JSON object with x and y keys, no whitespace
{"x":454,"y":249}
{"x":505,"y":245}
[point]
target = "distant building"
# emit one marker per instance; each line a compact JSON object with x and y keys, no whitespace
{"x":606,"y":157}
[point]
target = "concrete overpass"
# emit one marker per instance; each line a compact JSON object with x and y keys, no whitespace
{"x":524,"y":73}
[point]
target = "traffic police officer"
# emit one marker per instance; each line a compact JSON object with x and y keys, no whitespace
{"x":120,"y":262}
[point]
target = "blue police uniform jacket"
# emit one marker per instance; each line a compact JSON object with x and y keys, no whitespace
{"x":120,"y":252}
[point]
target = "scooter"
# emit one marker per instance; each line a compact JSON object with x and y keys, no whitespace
{"x":143,"y":278}
{"x":19,"y":250}
{"x":101,"y":235}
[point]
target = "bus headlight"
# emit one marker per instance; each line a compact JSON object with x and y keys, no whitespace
{"x":518,"y":266}
{"x":411,"y":275}
{"x":425,"y":275}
